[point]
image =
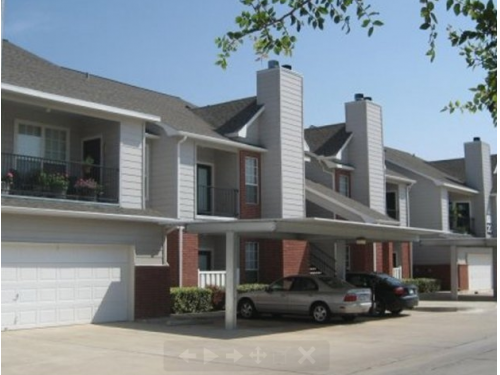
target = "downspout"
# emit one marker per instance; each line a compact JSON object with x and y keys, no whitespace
{"x":181,"y":246}
{"x":166,"y":232}
{"x":374,"y":257}
{"x":408,"y":224}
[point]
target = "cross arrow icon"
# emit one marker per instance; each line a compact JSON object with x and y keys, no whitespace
{"x":258,"y":354}
{"x":235,"y":356}
{"x":208,"y":356}
{"x":186,"y":356}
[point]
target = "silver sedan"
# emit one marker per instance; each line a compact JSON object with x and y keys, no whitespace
{"x":317,"y":296}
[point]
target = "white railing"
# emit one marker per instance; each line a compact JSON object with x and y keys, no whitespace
{"x":217,"y":278}
{"x":397,"y":272}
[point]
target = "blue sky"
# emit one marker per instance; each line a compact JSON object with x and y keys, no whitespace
{"x":168,"y":46}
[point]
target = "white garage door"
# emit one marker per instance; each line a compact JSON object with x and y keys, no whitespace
{"x":480,"y":276}
{"x":61,"y":284}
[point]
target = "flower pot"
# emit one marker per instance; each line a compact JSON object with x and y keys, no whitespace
{"x":59,"y":192}
{"x":87,"y":194}
{"x":5,"y":187}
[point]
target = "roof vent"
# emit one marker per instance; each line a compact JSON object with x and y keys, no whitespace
{"x":358,"y":97}
{"x":287,"y":66}
{"x":273,"y":64}
{"x":368,"y":98}
{"x":477,"y":139}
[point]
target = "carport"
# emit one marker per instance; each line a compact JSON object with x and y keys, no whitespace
{"x":465,"y":242}
{"x":307,"y":229}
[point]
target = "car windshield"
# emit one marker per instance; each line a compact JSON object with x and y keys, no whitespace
{"x":334,"y":282}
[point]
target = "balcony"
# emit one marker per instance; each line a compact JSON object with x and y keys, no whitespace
{"x":24,"y":175}
{"x":461,"y":224}
{"x":213,"y":201}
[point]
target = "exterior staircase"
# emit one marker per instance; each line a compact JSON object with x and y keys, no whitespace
{"x":320,"y":261}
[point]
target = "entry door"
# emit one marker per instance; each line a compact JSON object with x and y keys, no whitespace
{"x":92,"y":148}
{"x":204,"y":178}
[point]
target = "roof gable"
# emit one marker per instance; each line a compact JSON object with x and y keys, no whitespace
{"x":326,"y":140}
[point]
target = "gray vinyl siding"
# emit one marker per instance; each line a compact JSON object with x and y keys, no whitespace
{"x":478,"y":176}
{"x":428,"y":202}
{"x":131,"y":164}
{"x":316,"y":173}
{"x":426,"y":255}
{"x":281,"y":131}
{"x":186,"y":178}
{"x":146,"y":238}
{"x":366,"y":153}
{"x":163,"y":176}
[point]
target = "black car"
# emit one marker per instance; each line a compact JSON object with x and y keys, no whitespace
{"x":389,"y":293}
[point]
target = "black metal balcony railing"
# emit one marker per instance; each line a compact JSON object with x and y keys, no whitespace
{"x":213,"y":201}
{"x":461,"y":224}
{"x":48,"y":178}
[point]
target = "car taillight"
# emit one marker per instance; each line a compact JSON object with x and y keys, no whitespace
{"x":399,"y":291}
{"x":350,"y":298}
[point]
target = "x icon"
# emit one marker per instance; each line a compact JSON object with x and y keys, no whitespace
{"x":306,"y":355}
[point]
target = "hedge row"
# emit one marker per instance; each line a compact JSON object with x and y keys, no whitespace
{"x":194,"y":299}
{"x":425,"y":285}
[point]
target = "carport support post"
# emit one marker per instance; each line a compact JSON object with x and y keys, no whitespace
{"x":454,"y":273}
{"x":232,"y":251}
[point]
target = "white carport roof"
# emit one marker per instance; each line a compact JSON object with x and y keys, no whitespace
{"x":313,"y":229}
{"x":302,"y":228}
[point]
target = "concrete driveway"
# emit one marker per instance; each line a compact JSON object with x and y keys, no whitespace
{"x":442,"y":338}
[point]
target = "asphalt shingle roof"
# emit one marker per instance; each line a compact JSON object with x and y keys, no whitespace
{"x":411,"y":162}
{"x":24,"y":69}
{"x":229,"y":117}
{"x":326,"y":140}
{"x":456,"y":168}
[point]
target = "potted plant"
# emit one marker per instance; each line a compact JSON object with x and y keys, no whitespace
{"x":7,"y":182}
{"x":58,"y":184}
{"x":87,"y":164}
{"x":87,"y":188}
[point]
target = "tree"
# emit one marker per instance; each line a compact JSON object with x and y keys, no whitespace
{"x":273,"y":25}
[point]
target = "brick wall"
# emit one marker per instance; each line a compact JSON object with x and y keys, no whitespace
{"x":270,"y":260}
{"x":386,"y":252}
{"x":361,"y":257}
{"x":295,"y":257}
{"x":406,"y":259}
{"x":249,"y":211}
{"x":189,"y":258}
{"x":379,"y":254}
{"x":152,"y":291}
{"x":463,"y":277}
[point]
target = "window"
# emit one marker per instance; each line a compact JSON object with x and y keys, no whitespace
{"x":391,"y":203}
{"x":42,"y":141}
{"x":204,"y":260}
{"x":251,"y":262}
{"x":344,"y":184}
{"x":251,"y":180}
{"x":460,"y":219}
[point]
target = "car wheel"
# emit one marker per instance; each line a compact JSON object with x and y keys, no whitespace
{"x":396,"y":312}
{"x":320,"y":313}
{"x":348,"y":318}
{"x":247,"y":309}
{"x":378,"y":308}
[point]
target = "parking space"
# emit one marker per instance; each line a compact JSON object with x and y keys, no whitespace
{"x":263,"y":346}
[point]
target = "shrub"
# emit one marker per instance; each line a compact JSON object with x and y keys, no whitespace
{"x":218,"y":297}
{"x":190,"y":300}
{"x":243,"y":288}
{"x":425,"y":285}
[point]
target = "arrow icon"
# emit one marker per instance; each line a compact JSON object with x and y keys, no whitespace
{"x":208,"y":356}
{"x":235,"y":356}
{"x":186,"y":356}
{"x":258,"y":354}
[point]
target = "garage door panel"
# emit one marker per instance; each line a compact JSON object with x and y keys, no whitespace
{"x":480,"y":271}
{"x":62,"y":291}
